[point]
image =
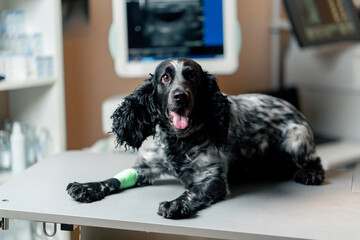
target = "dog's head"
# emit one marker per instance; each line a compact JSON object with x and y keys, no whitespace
{"x":178,"y":82}
{"x":181,"y":97}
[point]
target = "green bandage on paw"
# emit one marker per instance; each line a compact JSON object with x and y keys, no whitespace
{"x":127,"y":178}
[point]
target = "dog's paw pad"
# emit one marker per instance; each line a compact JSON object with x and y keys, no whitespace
{"x":83,"y":192}
{"x":174,"y":209}
{"x":309,"y":177}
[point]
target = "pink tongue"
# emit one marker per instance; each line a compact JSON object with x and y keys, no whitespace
{"x":179,"y":121}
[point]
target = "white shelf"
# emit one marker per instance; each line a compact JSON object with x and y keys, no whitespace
{"x":28,"y":100}
{"x":7,"y":85}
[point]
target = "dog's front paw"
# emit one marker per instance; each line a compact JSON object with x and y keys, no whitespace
{"x":174,"y":209}
{"x":86,"y":192}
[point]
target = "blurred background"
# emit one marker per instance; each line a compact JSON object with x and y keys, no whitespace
{"x":57,"y":70}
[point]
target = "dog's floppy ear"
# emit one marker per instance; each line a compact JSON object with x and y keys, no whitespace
{"x":218,"y":106}
{"x":134,"y":119}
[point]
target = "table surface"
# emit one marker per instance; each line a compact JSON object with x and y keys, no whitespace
{"x":266,"y":210}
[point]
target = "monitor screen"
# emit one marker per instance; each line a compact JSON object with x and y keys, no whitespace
{"x":149,"y":31}
{"x":323,"y":21}
{"x":162,"y":29}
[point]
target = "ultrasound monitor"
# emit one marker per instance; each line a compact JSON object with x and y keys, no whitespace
{"x":149,"y":31}
{"x":317,"y":22}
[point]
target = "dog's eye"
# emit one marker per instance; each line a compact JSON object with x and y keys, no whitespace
{"x":165,"y":78}
{"x":192,"y":76}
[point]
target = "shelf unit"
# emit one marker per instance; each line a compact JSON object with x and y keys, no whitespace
{"x":40,"y":102}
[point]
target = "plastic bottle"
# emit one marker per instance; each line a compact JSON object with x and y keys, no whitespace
{"x":17,"y":141}
{"x":5,"y":159}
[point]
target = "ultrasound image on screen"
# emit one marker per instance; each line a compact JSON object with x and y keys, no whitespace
{"x":159,"y":29}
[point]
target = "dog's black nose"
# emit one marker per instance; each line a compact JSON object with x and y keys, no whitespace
{"x":180,"y":96}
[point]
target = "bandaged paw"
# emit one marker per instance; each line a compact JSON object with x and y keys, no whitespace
{"x":127,"y":178}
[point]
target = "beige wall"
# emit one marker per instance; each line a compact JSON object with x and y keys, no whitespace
{"x":90,"y":76}
{"x":4,"y":108}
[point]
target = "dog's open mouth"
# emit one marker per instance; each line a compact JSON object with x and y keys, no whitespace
{"x":180,"y":118}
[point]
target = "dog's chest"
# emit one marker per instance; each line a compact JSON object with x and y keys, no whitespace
{"x":182,"y":159}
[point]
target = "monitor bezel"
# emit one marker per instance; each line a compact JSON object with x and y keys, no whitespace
{"x":298,"y":28}
{"x":130,"y":69}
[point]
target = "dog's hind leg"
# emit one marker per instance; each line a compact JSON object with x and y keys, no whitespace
{"x":311,"y":173}
{"x":299,"y":144}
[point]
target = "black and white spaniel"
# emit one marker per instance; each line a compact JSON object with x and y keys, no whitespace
{"x":206,"y":139}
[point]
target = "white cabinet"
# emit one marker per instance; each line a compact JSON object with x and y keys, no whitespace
{"x":40,"y":101}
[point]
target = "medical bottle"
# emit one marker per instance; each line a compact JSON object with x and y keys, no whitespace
{"x":17,"y":141}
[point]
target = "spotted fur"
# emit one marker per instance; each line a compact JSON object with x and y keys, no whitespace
{"x":228,"y":138}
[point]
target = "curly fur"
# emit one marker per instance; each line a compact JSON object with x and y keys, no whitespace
{"x":206,"y":138}
{"x":133,"y":120}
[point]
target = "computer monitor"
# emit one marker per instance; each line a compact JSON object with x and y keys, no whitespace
{"x":149,"y":31}
{"x":317,"y":22}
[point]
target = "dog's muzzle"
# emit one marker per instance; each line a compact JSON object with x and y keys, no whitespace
{"x":179,"y":113}
{"x":181,"y":98}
